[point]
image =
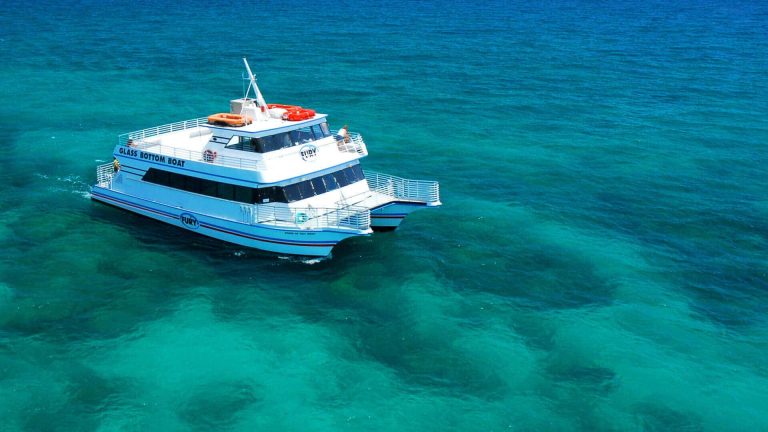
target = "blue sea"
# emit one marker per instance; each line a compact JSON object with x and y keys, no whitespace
{"x":600,"y":262}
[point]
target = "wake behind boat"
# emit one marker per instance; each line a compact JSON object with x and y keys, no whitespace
{"x":267,"y":176}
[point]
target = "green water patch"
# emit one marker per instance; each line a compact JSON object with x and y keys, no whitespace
{"x":687,"y":377}
{"x":119,"y":281}
{"x":212,"y":373}
{"x":215,"y":405}
{"x":523,"y":256}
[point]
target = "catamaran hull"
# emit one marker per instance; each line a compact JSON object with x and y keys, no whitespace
{"x":389,"y":216}
{"x":280,"y":240}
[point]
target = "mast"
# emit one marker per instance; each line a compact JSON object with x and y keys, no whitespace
{"x":259,"y":98}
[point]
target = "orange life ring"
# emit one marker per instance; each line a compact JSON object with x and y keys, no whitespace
{"x":228,"y":119}
{"x":294,"y":112}
{"x":209,"y":155}
{"x":299,"y":114}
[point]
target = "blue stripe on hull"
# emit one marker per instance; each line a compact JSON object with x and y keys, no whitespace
{"x":390,"y":215}
{"x":306,"y":247}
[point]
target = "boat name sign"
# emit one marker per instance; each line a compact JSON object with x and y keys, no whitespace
{"x":151,"y":157}
{"x":308,"y":152}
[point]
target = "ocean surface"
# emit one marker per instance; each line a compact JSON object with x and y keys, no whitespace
{"x":600,"y":262}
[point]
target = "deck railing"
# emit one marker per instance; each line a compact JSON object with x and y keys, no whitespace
{"x":142,"y":140}
{"x":144,"y":134}
{"x":414,"y":190}
{"x":193,"y":155}
{"x":353,"y":143}
{"x":104,"y":174}
{"x":307,"y":217}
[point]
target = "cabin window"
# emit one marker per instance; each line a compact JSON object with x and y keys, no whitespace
{"x":226,"y":191}
{"x":305,"y":188}
{"x":244,"y":194}
{"x":270,"y":194}
{"x":318,"y":186}
{"x":292,"y":192}
{"x":342,"y":178}
{"x":324,"y":128}
{"x":357,"y":172}
{"x":274,"y":142}
{"x":301,"y":136}
{"x":330,"y":182}
{"x":319,"y":132}
{"x":279,"y":141}
{"x":209,"y":188}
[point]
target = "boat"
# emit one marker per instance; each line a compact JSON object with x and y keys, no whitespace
{"x":273,"y":177}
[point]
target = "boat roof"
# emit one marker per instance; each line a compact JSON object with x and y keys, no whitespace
{"x":271,"y":126}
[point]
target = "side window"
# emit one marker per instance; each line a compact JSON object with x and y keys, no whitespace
{"x":208,"y":188}
{"x":292,"y":192}
{"x":341,"y":177}
{"x":271,"y":194}
{"x":163,"y":177}
{"x":176,"y":181}
{"x":330,"y":182}
{"x":305,"y":188}
{"x":295,"y":137}
{"x":258,"y":145}
{"x":237,"y":143}
{"x":357,"y":173}
{"x":263,"y":145}
{"x":318,"y":185}
{"x":226,"y":191}
{"x":192,"y":184}
{"x":150,"y":176}
{"x":301,"y":136}
{"x":317,"y":132}
{"x":324,"y":128}
{"x":157,"y":176}
{"x":243,"y":194}
{"x":278,"y":194}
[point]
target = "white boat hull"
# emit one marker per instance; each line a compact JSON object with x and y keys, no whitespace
{"x":389,"y":216}
{"x":307,"y":242}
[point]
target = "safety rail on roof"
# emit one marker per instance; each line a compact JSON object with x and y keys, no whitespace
{"x":307,"y":217}
{"x":352,"y":143}
{"x":142,"y":140}
{"x":182,"y":153}
{"x":143,"y":134}
{"x":413,"y":190}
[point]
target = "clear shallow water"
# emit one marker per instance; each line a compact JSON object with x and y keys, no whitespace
{"x":599,"y":262}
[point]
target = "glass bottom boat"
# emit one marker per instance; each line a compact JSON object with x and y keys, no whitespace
{"x":267,"y":176}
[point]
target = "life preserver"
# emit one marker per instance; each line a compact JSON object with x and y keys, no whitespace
{"x":228,"y":119}
{"x":209,"y":155}
{"x":301,"y":217}
{"x":299,"y":114}
{"x":294,"y":112}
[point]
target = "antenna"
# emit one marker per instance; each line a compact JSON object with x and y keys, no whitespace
{"x":259,"y":98}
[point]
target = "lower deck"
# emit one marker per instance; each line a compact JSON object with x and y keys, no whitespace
{"x":308,"y":227}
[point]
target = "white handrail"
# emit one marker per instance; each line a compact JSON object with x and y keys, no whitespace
{"x":141,"y":139}
{"x":413,"y":190}
{"x":307,"y":217}
{"x":352,"y":143}
{"x":143,"y":134}
{"x":104,"y":174}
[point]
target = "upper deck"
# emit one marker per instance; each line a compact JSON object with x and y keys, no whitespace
{"x":235,"y":147}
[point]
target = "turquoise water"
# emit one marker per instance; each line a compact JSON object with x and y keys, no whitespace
{"x":600,"y":262}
